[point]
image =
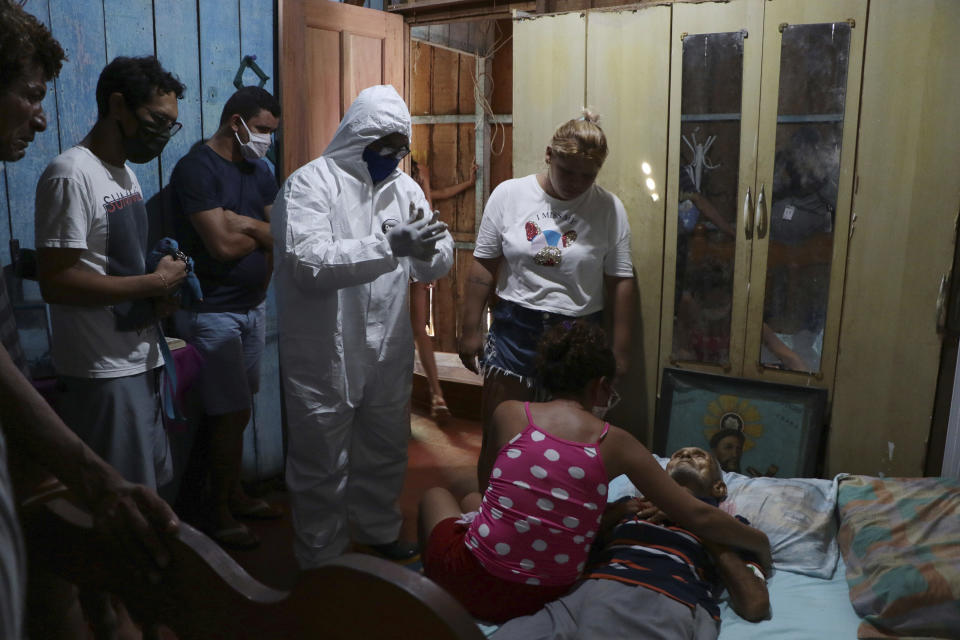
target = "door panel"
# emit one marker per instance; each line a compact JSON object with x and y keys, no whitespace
{"x":548,"y":83}
{"x":807,"y":48}
{"x":627,"y":80}
{"x":330,"y":52}
{"x":708,"y":255}
{"x":902,"y":240}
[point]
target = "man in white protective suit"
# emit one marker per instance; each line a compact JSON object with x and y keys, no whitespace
{"x":349,"y":232}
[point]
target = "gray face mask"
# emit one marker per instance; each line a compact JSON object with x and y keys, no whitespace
{"x":257,"y":144}
{"x":612,"y":400}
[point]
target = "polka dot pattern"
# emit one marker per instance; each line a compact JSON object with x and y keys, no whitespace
{"x":538,"y":512}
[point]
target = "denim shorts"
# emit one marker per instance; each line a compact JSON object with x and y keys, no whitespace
{"x":231,"y":343}
{"x":511,"y":344}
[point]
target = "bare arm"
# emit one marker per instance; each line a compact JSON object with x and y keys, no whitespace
{"x":480,"y":281}
{"x":748,"y":592}
{"x":788,"y":356}
{"x":713,"y":215}
{"x":64,"y":281}
{"x":622,"y":294}
{"x":622,"y":453}
{"x":508,"y":420}
{"x":135,"y":513}
{"x":223,"y":233}
{"x":454,"y":189}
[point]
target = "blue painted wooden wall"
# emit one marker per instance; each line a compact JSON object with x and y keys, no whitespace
{"x":202,"y":42}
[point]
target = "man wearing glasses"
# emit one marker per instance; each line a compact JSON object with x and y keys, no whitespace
{"x":222,"y":192}
{"x":91,"y":235}
{"x":350,"y":229}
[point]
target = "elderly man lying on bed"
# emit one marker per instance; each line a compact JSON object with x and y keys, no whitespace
{"x":651,"y":579}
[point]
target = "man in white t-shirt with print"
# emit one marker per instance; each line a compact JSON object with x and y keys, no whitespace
{"x":91,"y":235}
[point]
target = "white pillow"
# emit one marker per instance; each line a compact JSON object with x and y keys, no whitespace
{"x":797,"y":514}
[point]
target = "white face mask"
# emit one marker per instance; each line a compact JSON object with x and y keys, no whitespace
{"x":258,"y":144}
{"x":612,"y":400}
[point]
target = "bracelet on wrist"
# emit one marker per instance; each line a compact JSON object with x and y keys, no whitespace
{"x":166,"y":286}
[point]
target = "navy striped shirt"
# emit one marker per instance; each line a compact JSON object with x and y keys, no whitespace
{"x":662,"y":557}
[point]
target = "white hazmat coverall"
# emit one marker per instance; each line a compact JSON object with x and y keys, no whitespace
{"x":345,"y":341}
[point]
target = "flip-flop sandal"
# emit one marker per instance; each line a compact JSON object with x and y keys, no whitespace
{"x":257,"y":510}
{"x":239,"y":537}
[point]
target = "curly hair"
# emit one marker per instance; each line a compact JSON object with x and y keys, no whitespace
{"x":137,"y":79}
{"x":25,"y":40}
{"x":581,"y":137}
{"x":571,"y":354}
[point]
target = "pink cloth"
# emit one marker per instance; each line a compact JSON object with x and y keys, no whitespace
{"x":541,"y":509}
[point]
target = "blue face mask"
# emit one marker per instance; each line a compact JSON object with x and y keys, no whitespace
{"x":379,"y":166}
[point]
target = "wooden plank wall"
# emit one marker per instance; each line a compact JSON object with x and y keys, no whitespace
{"x":202,"y":42}
{"x":443,"y":84}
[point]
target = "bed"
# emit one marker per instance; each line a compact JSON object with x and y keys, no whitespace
{"x":854,"y":557}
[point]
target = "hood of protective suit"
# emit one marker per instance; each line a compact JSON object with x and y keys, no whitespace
{"x":377,"y":112}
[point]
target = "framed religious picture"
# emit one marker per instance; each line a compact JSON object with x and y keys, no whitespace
{"x":753,"y":427}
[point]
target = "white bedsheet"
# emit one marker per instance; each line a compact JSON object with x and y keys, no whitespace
{"x":803,"y":608}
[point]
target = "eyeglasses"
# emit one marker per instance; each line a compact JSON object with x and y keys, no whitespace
{"x":164,"y":122}
{"x":397,"y":153}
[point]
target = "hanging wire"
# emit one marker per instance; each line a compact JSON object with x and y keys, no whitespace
{"x":497,"y":128}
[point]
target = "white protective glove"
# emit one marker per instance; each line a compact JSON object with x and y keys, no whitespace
{"x":417,"y":237}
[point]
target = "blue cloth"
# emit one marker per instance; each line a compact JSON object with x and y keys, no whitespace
{"x":511,"y":344}
{"x":192,"y":294}
{"x":201,"y":181}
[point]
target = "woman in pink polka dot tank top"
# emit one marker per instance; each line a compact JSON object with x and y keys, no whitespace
{"x":525,"y":542}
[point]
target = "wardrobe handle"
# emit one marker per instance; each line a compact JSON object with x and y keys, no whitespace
{"x":942,"y":305}
{"x":761,"y":220}
{"x":747,"y":218}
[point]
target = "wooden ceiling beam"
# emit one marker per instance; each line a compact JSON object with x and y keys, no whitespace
{"x":423,"y":12}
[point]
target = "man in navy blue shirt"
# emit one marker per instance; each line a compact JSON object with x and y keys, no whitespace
{"x":222,"y":194}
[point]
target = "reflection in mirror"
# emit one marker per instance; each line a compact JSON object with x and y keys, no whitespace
{"x":813,"y":81}
{"x":709,"y":176}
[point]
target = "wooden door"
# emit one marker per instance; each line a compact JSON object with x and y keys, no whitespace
{"x":329,"y":53}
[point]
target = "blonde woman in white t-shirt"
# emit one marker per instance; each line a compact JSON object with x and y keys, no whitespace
{"x":552,"y":246}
